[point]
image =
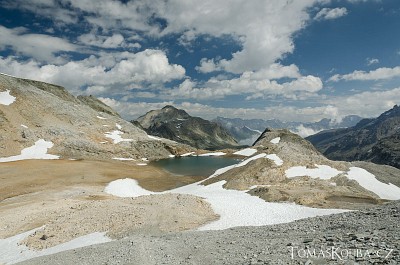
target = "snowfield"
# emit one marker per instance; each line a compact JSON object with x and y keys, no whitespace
{"x":116,"y":136}
{"x":11,"y":252}
{"x":6,"y":98}
{"x":366,"y":180}
{"x":322,"y":172}
{"x":37,"y":151}
{"x":126,"y":188}
{"x":246,"y":152}
{"x":276,"y":140}
{"x":213,"y":154}
{"x":236,"y":208}
{"x":278,"y":161}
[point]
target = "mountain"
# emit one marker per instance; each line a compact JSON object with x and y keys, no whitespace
{"x":376,"y":140}
{"x":246,"y":131}
{"x":177,"y":125}
{"x":43,"y":116}
{"x":286,"y":167}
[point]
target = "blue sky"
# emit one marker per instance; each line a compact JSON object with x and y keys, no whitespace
{"x":297,"y":60}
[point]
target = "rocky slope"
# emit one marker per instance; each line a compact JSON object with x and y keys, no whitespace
{"x":81,"y":127}
{"x":177,"y":125}
{"x":369,"y":236}
{"x":246,"y":129}
{"x":291,"y":169}
{"x":376,"y":140}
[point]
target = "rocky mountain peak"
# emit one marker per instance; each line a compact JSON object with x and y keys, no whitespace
{"x":176,"y":124}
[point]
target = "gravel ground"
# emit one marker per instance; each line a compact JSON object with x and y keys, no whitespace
{"x":368,"y":236}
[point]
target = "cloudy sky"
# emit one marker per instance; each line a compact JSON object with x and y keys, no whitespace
{"x":294,"y":60}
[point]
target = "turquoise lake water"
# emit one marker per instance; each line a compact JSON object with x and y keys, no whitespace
{"x":194,"y":165}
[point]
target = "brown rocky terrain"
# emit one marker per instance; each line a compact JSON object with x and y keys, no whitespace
{"x":81,"y":127}
{"x":264,"y":178}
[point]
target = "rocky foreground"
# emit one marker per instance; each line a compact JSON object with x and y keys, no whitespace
{"x":368,"y":236}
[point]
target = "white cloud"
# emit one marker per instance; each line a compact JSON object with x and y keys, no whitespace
{"x":38,"y":46}
{"x":110,"y":72}
{"x":377,"y":74}
{"x":331,"y":13}
{"x":249,"y":83}
{"x":371,"y":61}
{"x":305,"y":131}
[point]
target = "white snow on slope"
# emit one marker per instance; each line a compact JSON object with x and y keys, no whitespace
{"x":246,"y":152}
{"x":369,"y":182}
{"x":116,"y":136}
{"x":154,"y":137}
{"x":278,"y":161}
{"x":123,"y":159}
{"x":37,"y":151}
{"x":101,"y":118}
{"x":366,"y":180}
{"x":236,"y":208}
{"x":6,"y":98}
{"x":322,"y":172}
{"x":24,"y":126}
{"x":187,"y":154}
{"x":213,"y":154}
{"x":126,"y":188}
{"x":11,"y":252}
{"x":276,"y":140}
{"x":119,"y":127}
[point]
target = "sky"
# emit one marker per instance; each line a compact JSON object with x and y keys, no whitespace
{"x":294,"y":60}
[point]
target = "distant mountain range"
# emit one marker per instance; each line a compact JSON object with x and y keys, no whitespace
{"x":247,"y":131}
{"x":176,"y":124}
{"x":376,"y":140}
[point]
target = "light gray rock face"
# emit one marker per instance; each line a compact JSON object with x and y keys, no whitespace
{"x":78,"y":127}
{"x":368,"y":236}
{"x":177,"y":125}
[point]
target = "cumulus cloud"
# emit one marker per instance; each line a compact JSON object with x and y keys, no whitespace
{"x":331,"y":13}
{"x":116,"y":72}
{"x":113,"y":41}
{"x":305,"y":131}
{"x":249,"y":83}
{"x":377,"y":74}
{"x":39,"y":46}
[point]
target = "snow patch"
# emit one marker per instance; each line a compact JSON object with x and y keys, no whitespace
{"x":276,"y":140}
{"x":126,"y":188}
{"x":322,"y":172}
{"x":235,"y":208}
{"x":171,"y":156}
{"x":116,"y":136}
{"x":101,"y":118}
{"x":37,"y":151}
{"x":24,"y":126}
{"x":6,"y":98}
{"x":368,"y":181}
{"x":123,"y":159}
{"x":246,"y":152}
{"x":154,"y":137}
{"x":278,"y":161}
{"x":187,"y":154}
{"x":141,"y":164}
{"x":213,"y":154}
{"x":11,"y":252}
{"x":119,"y":127}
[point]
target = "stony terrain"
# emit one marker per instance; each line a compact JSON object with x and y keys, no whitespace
{"x":268,"y":180}
{"x":80,"y":127}
{"x":368,"y":236}
{"x":376,"y":140}
{"x":179,"y":126}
